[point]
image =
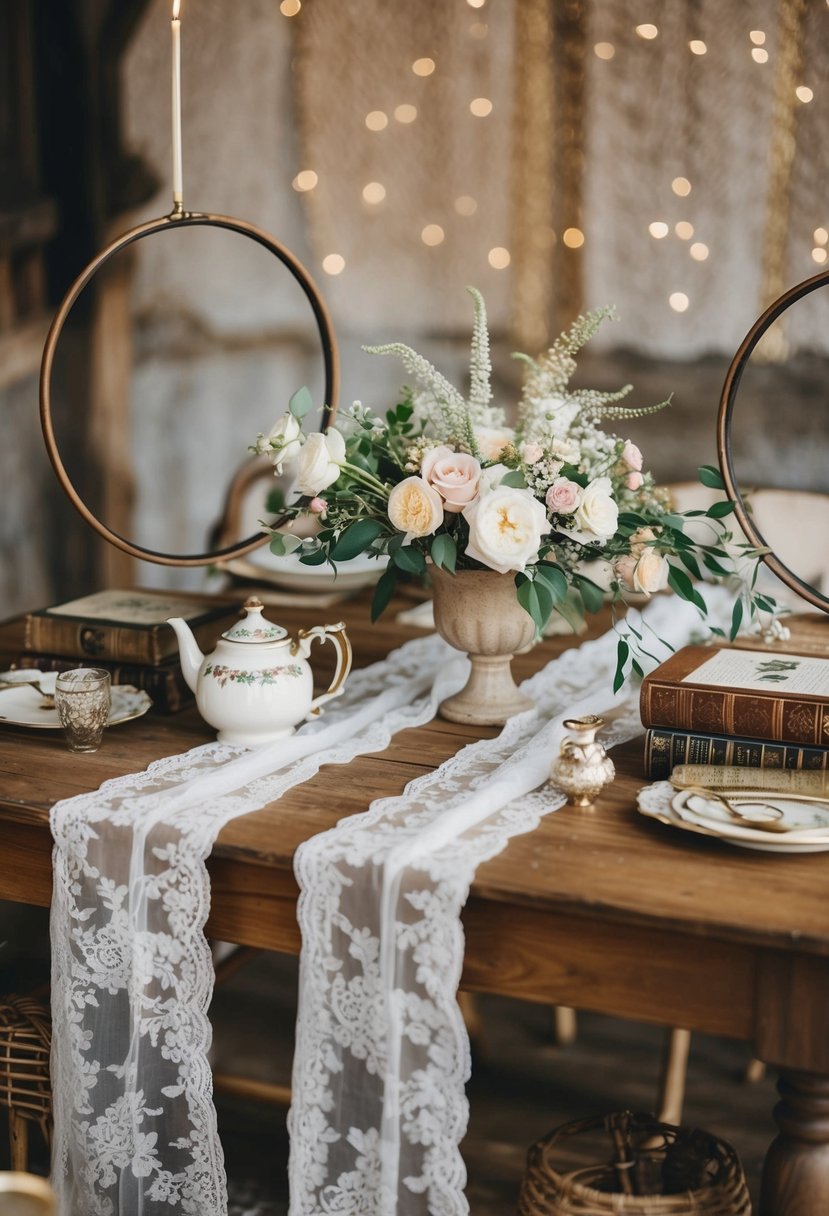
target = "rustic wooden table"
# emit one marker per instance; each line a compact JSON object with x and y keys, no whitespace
{"x":598,"y":909}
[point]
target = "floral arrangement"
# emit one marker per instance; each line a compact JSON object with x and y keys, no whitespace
{"x":564,"y":507}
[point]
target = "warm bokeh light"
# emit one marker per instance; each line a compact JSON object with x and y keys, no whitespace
{"x":758,"y":37}
{"x":819,"y":256}
{"x":658,"y":229}
{"x":678,"y":301}
{"x":374,"y":192}
{"x":466,"y":205}
{"x":697,"y":46}
{"x":821,"y":236}
{"x":405,"y":113}
{"x":306,"y":179}
{"x":498,"y":258}
{"x":759,"y":55}
{"x":290,"y":8}
{"x":681,"y":187}
{"x":376,"y":120}
{"x":333,"y":263}
{"x":432,"y":234}
{"x":647,"y":31}
{"x":698,"y":251}
{"x":604,"y":50}
{"x":481,"y":107}
{"x":573,"y":238}
{"x":803,"y":93}
{"x":423,"y":67}
{"x":476,"y":3}
{"x":684,"y":230}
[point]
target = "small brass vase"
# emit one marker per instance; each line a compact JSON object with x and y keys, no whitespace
{"x":582,"y":768}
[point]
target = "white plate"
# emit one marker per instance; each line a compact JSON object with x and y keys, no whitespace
{"x":25,"y":706}
{"x":289,"y":572}
{"x":660,"y":801}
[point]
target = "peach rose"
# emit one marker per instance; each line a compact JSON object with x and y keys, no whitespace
{"x":415,"y":508}
{"x":456,"y":478}
{"x":651,"y":573}
{"x":531,"y":453}
{"x":632,"y":456}
{"x":431,"y":458}
{"x":624,"y":568}
{"x":634,"y":480}
{"x":492,"y":440}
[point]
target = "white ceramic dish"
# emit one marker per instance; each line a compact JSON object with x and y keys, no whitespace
{"x":708,"y":818}
{"x":25,"y":706}
{"x":289,"y":572}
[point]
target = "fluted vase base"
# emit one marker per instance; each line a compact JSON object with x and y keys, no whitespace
{"x":477,"y":611}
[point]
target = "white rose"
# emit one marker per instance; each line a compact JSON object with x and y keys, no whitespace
{"x":319,"y":462}
{"x":506,"y":527}
{"x":597,"y":515}
{"x":284,"y":442}
{"x":492,"y":440}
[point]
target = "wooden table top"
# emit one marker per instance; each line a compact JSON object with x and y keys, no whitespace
{"x":608,"y":862}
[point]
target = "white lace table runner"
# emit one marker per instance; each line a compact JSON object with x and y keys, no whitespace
{"x":132,"y":974}
{"x":381,"y":1055}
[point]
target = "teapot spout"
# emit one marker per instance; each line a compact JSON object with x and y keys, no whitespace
{"x":189,"y":653}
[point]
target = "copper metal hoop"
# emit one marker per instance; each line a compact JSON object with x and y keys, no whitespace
{"x":724,"y":447}
{"x":165,"y":223}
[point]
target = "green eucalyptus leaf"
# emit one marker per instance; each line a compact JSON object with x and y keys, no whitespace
{"x":317,"y":557}
{"x":719,"y":510}
{"x":679,"y":582}
{"x":356,"y":539}
{"x":622,"y":652}
{"x":383,"y":592}
{"x":409,"y":559}
{"x":592,"y":595}
{"x":301,"y":403}
{"x":282,"y":543}
{"x":515,"y":480}
{"x":444,"y":552}
{"x":711,"y":477}
{"x":554,"y":578}
{"x":736,"y":619}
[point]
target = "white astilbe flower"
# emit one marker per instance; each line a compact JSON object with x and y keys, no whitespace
{"x":480,"y":370}
{"x":448,"y":413}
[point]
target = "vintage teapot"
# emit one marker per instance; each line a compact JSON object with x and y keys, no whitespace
{"x":257,"y":685}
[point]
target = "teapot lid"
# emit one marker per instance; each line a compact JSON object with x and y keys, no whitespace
{"x":253,"y":628}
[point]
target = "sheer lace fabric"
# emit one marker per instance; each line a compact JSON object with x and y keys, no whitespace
{"x":381,"y":1053}
{"x":135,"y":1127}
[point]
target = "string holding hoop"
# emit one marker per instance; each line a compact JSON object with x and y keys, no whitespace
{"x":178,"y":219}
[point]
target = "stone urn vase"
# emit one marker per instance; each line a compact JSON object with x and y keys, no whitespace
{"x":477,"y":611}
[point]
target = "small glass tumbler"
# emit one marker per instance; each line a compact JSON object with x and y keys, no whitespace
{"x":83,"y":698}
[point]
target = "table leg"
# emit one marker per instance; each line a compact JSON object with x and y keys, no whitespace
{"x":796,"y":1170}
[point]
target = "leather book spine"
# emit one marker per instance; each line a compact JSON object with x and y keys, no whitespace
{"x":665,"y":749}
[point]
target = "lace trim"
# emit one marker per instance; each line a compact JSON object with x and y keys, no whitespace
{"x":135,"y":1127}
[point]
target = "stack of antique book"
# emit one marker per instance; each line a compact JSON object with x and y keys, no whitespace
{"x":731,"y":705}
{"x":126,"y":633}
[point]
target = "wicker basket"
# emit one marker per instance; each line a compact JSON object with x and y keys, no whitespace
{"x":25,"y":1042}
{"x":652,"y":1169}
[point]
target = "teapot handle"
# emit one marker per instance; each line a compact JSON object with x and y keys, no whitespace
{"x":337,"y":635}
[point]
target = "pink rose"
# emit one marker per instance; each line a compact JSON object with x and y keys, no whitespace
{"x":563,"y":496}
{"x":632,"y":458}
{"x":634,"y":481}
{"x":317,"y":506}
{"x":531,"y":453}
{"x":456,"y":478}
{"x":431,"y":458}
